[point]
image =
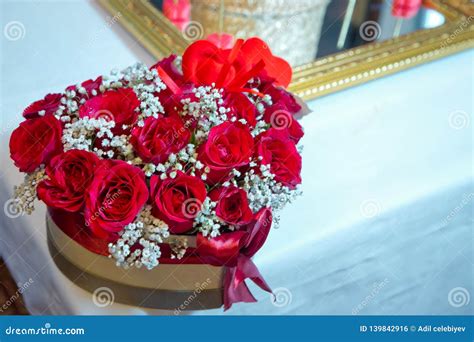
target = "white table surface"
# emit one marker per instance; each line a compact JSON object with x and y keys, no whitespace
{"x":385,"y":166}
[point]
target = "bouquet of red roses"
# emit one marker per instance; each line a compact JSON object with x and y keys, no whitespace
{"x":202,"y":146}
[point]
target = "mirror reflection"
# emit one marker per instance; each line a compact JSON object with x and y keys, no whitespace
{"x":301,"y":30}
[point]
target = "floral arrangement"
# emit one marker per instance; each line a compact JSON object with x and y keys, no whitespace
{"x":204,"y":144}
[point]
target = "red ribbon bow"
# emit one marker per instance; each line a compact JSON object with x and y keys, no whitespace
{"x":235,"y":250}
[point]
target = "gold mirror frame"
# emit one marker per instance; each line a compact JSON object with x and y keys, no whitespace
{"x":327,"y":74}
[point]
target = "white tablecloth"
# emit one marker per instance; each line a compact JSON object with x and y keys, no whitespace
{"x":385,"y":222}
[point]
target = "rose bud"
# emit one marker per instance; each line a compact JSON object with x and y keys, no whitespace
{"x":90,"y":87}
{"x":280,"y":114}
{"x":277,"y":150}
{"x":232,"y":205}
{"x":47,"y":106}
{"x":241,"y":108}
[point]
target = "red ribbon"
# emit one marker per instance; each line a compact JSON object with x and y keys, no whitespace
{"x":74,"y":226}
{"x":235,"y":250}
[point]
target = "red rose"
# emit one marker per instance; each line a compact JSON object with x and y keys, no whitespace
{"x":281,"y":113}
{"x":229,"y":145}
{"x":49,"y":105}
{"x":114,"y":198}
{"x":279,"y":151}
{"x":35,"y":142}
{"x":117,"y":105}
{"x":241,"y":108}
{"x":177,"y":200}
{"x":69,"y":175}
{"x":173,"y":105}
{"x":232,"y":205}
{"x":282,"y":120}
{"x":158,"y":138}
{"x":89,"y":86}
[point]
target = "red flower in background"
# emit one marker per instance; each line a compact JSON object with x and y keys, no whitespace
{"x":221,"y":40}
{"x":232,"y":205}
{"x":158,"y":138}
{"x":35,"y":142}
{"x":177,"y":200}
{"x":69,"y":175}
{"x":229,"y":145}
{"x":49,"y":105}
{"x":117,"y":105}
{"x":405,"y":8}
{"x":114,"y":198}
{"x":279,"y":151}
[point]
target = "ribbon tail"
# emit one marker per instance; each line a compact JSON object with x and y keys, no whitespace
{"x":168,"y":80}
{"x":235,"y":288}
{"x":235,"y":293}
{"x":243,"y":78}
{"x":231,"y":58}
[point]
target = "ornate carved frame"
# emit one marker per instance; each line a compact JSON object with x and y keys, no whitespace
{"x":328,"y":74}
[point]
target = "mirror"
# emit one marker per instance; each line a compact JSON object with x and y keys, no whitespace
{"x":331,"y":44}
{"x":298,"y":30}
